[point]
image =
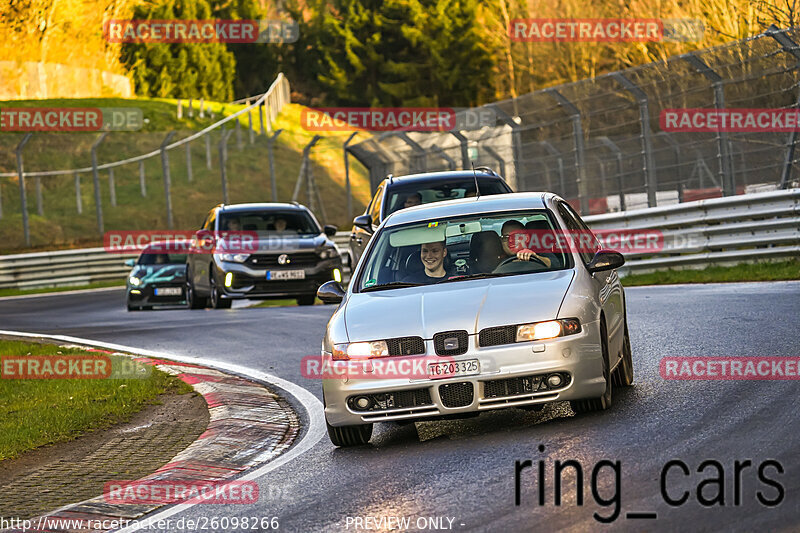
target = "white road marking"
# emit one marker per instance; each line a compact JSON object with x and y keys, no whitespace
{"x":312,"y":405}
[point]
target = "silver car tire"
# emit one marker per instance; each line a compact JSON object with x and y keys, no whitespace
{"x":604,"y":402}
{"x":623,"y":374}
{"x":345,"y":436}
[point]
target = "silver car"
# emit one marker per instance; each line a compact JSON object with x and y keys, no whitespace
{"x":468,"y":305}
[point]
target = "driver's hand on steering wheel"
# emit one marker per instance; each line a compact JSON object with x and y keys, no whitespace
{"x":529,"y":255}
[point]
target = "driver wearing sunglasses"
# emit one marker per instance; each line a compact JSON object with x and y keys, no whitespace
{"x":524,"y":254}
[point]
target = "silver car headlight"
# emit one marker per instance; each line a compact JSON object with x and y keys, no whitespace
{"x":550,"y":329}
{"x":234,"y":258}
{"x":360,"y":350}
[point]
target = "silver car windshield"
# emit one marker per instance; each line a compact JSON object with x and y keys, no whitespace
{"x":463,"y":248}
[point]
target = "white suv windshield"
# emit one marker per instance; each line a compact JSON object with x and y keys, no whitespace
{"x":456,"y":249}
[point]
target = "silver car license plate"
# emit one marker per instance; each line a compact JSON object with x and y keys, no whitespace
{"x":286,"y":274}
{"x":470,"y":367}
{"x":168,"y":291}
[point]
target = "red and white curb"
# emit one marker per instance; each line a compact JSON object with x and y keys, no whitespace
{"x":248,"y":427}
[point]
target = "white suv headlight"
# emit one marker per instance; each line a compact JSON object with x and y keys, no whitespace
{"x":328,"y":253}
{"x":234,"y":258}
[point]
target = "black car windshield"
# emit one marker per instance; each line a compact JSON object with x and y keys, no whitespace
{"x":463,"y":248}
{"x":160,"y":259}
{"x":289,"y":222}
{"x":407,"y":195}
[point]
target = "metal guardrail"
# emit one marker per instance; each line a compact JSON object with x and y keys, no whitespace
{"x":719,"y":231}
{"x":62,"y":268}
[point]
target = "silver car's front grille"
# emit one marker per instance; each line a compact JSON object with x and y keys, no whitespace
{"x":511,"y":386}
{"x":451,"y":342}
{"x":456,"y":394}
{"x":499,"y":388}
{"x":392,"y":400}
{"x":406,"y":346}
{"x":497,"y":336}
{"x":296,"y":259}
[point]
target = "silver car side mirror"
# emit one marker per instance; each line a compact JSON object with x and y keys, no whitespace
{"x":331,"y":292}
{"x":605,"y":260}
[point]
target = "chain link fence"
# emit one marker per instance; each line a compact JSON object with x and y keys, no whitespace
{"x":69,"y":187}
{"x":598,"y":142}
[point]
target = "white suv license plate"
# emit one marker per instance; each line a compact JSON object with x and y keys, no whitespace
{"x":168,"y":291}
{"x":285,"y":274}
{"x":470,"y":367}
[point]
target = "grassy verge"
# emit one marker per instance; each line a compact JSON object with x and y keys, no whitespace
{"x":785,"y":270}
{"x":96,"y":285}
{"x":37,"y":412}
{"x":291,"y":302}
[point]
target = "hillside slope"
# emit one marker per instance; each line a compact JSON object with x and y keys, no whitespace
{"x":247,"y":174}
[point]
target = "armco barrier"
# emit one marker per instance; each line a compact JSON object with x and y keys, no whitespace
{"x":62,"y":268}
{"x":718,"y":231}
{"x":722,"y":231}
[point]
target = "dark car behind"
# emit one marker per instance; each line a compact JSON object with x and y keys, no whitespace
{"x":157,"y":279}
{"x":289,"y":261}
{"x":395,"y":193}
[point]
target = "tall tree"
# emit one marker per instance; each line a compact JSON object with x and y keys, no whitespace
{"x":180,"y":70}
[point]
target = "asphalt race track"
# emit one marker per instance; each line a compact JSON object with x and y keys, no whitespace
{"x":464,"y":471}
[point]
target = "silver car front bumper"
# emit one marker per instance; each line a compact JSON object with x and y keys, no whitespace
{"x":578,"y":356}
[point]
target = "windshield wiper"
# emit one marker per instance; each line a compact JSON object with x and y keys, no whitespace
{"x":390,"y":285}
{"x":482,"y":275}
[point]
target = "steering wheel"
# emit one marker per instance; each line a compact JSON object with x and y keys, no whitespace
{"x":515,"y":258}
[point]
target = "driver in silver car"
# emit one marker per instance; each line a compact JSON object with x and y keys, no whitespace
{"x":525,"y":254}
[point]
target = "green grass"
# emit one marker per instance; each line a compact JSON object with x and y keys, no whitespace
{"x":159,"y":112}
{"x":247,"y":173}
{"x":37,"y":412}
{"x":777,"y":271}
{"x":96,"y":285}
{"x":281,"y":303}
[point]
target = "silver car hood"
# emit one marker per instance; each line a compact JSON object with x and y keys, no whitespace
{"x":461,"y":305}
